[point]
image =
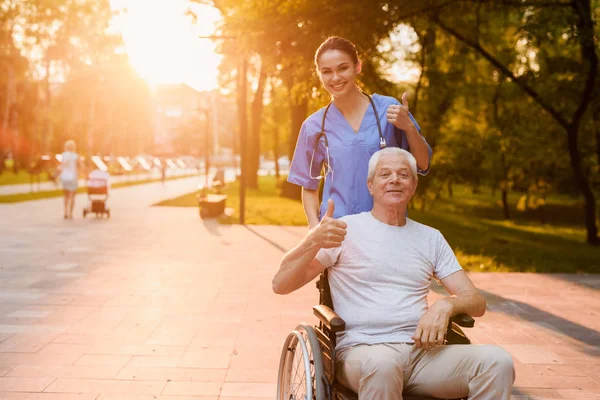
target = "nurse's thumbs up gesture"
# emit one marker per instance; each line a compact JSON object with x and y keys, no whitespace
{"x":397,"y":114}
{"x":330,"y":232}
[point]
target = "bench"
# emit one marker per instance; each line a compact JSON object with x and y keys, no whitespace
{"x":212,"y":205}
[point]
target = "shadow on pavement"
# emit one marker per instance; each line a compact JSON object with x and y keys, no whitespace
{"x":533,"y":314}
{"x":592,"y":281}
{"x":212,"y":226}
{"x":266,"y":239}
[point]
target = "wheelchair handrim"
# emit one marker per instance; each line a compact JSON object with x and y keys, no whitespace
{"x":288,"y":356}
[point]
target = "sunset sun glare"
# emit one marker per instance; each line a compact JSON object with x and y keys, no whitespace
{"x":164,"y":45}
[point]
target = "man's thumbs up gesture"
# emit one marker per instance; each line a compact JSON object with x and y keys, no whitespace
{"x":398,"y":114}
{"x":330,"y":232}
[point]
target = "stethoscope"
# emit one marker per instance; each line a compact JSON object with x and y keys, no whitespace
{"x":382,"y":142}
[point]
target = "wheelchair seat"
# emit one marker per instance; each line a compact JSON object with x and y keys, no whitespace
{"x":307,"y":364}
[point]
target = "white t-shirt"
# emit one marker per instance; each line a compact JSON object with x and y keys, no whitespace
{"x":380,"y":277}
{"x":69,"y":166}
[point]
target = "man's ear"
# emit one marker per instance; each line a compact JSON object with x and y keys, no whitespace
{"x":370,"y":186}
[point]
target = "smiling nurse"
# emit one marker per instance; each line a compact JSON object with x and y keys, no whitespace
{"x":336,"y":142}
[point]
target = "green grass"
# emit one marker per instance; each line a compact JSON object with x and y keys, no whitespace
{"x":263,"y":205}
{"x":473,"y":225}
{"x":10,"y":178}
{"x":16,"y":198}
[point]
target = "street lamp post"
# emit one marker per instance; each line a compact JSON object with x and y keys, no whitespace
{"x":207,"y":147}
{"x":242,"y":84}
{"x":243,"y":118}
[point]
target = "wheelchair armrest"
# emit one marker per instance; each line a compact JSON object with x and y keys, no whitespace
{"x":328,"y":317}
{"x":463,"y":320}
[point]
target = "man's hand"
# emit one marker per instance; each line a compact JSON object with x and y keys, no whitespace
{"x":431,"y":328}
{"x":330,"y":232}
{"x":398,"y":114}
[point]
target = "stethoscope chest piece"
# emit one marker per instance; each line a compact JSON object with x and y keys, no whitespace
{"x":382,"y":143}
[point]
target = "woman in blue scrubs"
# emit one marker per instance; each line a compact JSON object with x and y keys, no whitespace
{"x":355,"y":126}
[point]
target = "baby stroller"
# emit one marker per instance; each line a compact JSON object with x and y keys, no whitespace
{"x":97,"y":188}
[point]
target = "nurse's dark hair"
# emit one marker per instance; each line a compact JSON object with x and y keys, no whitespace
{"x":337,"y":43}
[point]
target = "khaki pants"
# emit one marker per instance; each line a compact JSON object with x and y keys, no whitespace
{"x":385,"y":371}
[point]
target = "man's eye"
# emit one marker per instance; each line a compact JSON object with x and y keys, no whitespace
{"x":385,"y":174}
{"x":404,"y":176}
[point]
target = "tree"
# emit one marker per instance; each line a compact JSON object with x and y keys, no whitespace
{"x":568,"y":114}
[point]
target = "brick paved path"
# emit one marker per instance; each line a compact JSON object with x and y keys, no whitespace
{"x":155,"y":303}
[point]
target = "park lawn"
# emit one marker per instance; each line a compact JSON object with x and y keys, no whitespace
{"x":263,"y":205}
{"x":8,"y":177}
{"x":16,"y":198}
{"x":472,"y":224}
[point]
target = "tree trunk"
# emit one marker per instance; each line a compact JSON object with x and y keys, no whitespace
{"x":598,"y":143}
{"x":587,"y":41}
{"x":597,"y":131}
{"x":584,"y":187}
{"x":19,"y":158}
{"x":276,"y":153}
{"x":276,"y":120}
{"x":504,"y":186}
{"x":298,"y":116}
{"x":90,"y":128}
{"x":45,"y":142}
{"x":413,"y":109}
{"x":256,"y":119}
{"x":505,"y":208}
{"x":5,"y":136}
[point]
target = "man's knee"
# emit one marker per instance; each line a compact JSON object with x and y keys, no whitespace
{"x":500,"y":362}
{"x":383,"y":369}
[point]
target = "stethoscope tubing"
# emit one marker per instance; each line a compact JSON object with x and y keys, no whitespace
{"x":382,"y":141}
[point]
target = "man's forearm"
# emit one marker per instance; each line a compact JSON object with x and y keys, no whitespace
{"x":470,"y":302}
{"x":418,"y":147}
{"x":294,"y":265}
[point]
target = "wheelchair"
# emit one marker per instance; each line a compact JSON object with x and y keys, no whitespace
{"x":307,"y":364}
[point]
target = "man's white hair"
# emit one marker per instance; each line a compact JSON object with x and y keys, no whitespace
{"x":396,"y":151}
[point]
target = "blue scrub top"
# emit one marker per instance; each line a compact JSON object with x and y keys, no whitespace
{"x":349,"y":153}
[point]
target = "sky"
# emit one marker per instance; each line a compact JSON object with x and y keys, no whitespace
{"x":163,"y":43}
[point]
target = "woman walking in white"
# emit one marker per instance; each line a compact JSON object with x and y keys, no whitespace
{"x":69,"y":176}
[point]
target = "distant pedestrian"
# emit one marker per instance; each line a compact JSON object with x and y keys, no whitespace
{"x":69,"y":175}
{"x":163,"y":172}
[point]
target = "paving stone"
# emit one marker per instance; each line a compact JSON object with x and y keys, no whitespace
{"x":133,"y":372}
{"x":114,"y":387}
{"x":28,"y":314}
{"x":192,"y":388}
{"x":8,"y":384}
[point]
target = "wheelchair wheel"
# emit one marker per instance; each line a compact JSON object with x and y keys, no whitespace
{"x":301,"y":367}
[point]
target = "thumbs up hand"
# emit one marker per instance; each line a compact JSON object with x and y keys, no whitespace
{"x":330,"y":208}
{"x":397,"y":114}
{"x":330,"y":232}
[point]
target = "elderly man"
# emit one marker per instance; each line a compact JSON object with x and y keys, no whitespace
{"x":380,"y":267}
